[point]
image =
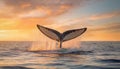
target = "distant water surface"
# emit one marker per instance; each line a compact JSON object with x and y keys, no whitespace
{"x":91,"y":55}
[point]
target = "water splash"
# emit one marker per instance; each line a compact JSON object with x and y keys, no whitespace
{"x":43,"y":43}
{"x":47,"y":44}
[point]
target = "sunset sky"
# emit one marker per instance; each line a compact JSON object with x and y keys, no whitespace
{"x":18,"y":18}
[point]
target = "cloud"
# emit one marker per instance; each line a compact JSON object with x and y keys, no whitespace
{"x":31,"y":12}
{"x":108,"y":27}
{"x":43,"y":12}
{"x":104,"y":15}
{"x":47,"y":3}
{"x":85,"y":21}
{"x":6,"y":12}
{"x":45,"y":7}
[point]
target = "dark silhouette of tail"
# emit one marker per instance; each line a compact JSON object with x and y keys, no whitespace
{"x":61,"y":37}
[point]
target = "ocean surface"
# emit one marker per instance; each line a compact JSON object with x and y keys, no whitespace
{"x":90,"y":55}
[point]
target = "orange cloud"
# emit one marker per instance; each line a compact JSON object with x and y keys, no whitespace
{"x":104,"y":16}
{"x":44,"y":7}
{"x":30,"y":23}
{"x":62,"y":9}
{"x":85,"y":21}
{"x":25,"y":5}
{"x":108,"y":27}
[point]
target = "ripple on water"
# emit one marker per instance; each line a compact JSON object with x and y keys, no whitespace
{"x":54,"y":64}
{"x":109,"y":60}
{"x":92,"y":67}
{"x":14,"y":67}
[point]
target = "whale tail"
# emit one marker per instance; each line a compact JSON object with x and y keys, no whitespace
{"x":61,"y":37}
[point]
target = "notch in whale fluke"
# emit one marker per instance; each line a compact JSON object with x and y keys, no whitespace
{"x":61,"y":37}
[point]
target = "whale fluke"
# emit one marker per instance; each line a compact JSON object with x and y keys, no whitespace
{"x":61,"y":37}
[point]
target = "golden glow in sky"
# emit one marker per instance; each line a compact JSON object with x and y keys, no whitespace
{"x":18,"y":18}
